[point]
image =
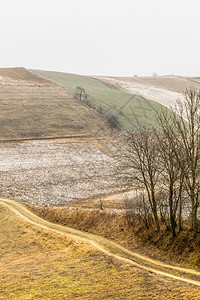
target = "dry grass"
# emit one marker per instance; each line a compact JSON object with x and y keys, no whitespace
{"x":184,"y":249}
{"x":32,"y":107}
{"x":21,"y":74}
{"x":108,"y":224}
{"x":39,"y":264}
{"x":173,"y":82}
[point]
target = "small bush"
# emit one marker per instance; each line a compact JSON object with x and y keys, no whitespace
{"x":112,"y":120}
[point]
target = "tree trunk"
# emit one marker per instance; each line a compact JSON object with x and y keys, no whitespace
{"x":172,"y":213}
{"x":155,"y":214}
{"x":194,"y":219}
{"x":180,"y":216}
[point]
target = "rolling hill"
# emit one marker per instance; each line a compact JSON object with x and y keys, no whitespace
{"x":40,"y":104}
{"x":197,"y":79}
{"x":130,"y":109}
{"x":165,"y":90}
{"x":32,"y":107}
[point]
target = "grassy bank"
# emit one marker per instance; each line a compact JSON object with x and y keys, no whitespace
{"x":183,"y":249}
{"x":37,"y":263}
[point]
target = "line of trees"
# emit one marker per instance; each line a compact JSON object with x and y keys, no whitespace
{"x":164,"y":164}
{"x":112,"y":119}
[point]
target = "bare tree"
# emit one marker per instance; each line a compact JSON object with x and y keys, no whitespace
{"x":143,"y":164}
{"x":80,"y":94}
{"x":172,"y":177}
{"x":165,"y":163}
{"x":138,"y":209}
{"x":181,"y":154}
{"x":188,"y":128}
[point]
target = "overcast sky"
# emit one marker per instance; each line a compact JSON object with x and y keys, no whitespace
{"x":105,"y":37}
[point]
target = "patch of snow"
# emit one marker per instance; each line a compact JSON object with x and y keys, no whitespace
{"x":55,"y":173}
{"x":161,"y":95}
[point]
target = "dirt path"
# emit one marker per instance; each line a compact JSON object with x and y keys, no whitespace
{"x":107,"y":247}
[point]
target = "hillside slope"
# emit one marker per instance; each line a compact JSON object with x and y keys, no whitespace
{"x":197,"y":79}
{"x":169,"y":82}
{"x":165,"y":90}
{"x":32,"y":107}
{"x":130,"y":109}
{"x":42,"y":260}
{"x":19,"y":74}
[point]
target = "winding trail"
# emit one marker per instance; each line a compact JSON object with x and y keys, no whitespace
{"x":106,"y":246}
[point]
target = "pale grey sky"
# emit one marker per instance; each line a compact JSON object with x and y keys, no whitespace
{"x":105,"y":37}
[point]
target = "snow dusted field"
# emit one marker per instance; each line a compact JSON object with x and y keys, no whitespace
{"x":161,"y":95}
{"x":55,"y":173}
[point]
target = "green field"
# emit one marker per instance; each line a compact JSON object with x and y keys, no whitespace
{"x":130,"y":109}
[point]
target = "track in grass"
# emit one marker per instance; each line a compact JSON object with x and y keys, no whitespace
{"x":108,"y":247}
